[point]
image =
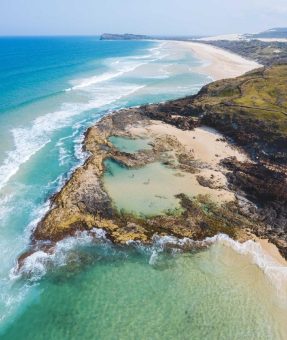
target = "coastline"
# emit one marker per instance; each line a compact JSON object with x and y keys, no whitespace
{"x":204,"y":250}
{"x":271,"y":250}
{"x":220,"y":64}
{"x":216,"y":63}
{"x":234,"y":65}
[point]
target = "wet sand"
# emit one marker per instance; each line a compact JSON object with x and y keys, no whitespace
{"x":270,"y":249}
{"x":219,"y":63}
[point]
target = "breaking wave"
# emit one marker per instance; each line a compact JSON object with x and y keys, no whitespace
{"x":37,"y":264}
{"x":274,"y":271}
{"x":28,"y":141}
{"x":119,"y":67}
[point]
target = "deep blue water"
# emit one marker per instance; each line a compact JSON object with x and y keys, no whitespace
{"x":34,"y":68}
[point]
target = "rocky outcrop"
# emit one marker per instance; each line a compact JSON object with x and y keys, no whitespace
{"x":83,"y":203}
{"x":267,"y":188}
{"x":251,"y":110}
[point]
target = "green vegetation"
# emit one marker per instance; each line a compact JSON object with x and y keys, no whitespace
{"x":252,"y":109}
{"x":266,"y":53}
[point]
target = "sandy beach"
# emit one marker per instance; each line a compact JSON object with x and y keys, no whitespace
{"x":219,"y":63}
{"x":270,"y":249}
{"x":206,"y":147}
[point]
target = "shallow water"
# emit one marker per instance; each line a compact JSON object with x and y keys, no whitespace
{"x":106,"y":292}
{"x":128,"y":145}
{"x":149,"y":190}
{"x":51,"y":90}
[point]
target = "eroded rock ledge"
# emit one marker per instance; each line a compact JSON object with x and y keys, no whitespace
{"x":239,"y":197}
{"x":83,"y":203}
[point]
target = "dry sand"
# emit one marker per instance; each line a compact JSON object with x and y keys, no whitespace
{"x":206,"y":144}
{"x":220,"y":64}
{"x":207,"y":148}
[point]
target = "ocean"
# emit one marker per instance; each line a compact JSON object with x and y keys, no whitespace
{"x":51,"y":91}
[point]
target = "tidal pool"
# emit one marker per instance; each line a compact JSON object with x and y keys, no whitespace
{"x":149,"y":190}
{"x":130,"y":145}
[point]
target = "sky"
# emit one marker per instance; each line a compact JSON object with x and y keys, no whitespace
{"x":171,"y":17}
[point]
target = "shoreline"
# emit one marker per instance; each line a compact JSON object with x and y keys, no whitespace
{"x":217,"y":63}
{"x":70,"y":220}
{"x":271,"y":250}
{"x":221,"y":64}
{"x":132,"y":126}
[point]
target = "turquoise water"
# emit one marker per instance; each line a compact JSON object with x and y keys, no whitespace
{"x":51,"y":90}
{"x":105,"y":292}
{"x":147,"y":191}
{"x":128,"y":145}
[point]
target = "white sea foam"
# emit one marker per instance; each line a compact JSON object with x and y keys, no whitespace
{"x":120,"y":67}
{"x":5,"y":206}
{"x":78,"y":149}
{"x":28,"y":141}
{"x":11,"y":301}
{"x":94,"y":80}
{"x":274,"y":271}
{"x":63,"y":154}
{"x":36,"y":265}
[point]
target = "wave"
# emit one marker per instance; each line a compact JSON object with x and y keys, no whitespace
{"x":88,"y":82}
{"x":120,"y":67}
{"x":28,"y":141}
{"x":5,"y":207}
{"x":274,"y":271}
{"x":94,"y":80}
{"x":36,"y":265}
{"x":28,"y":102}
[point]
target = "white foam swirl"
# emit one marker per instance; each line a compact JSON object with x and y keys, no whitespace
{"x":119,"y":67}
{"x":274,"y":271}
{"x":28,"y":141}
{"x":36,"y":265}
